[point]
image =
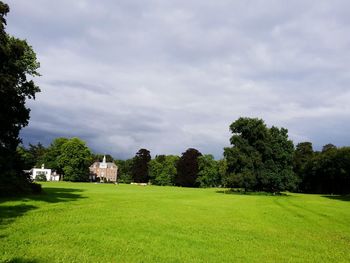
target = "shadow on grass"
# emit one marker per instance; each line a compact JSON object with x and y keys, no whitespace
{"x":338,"y":197}
{"x":57,"y":195}
{"x":50,"y":195}
{"x":9,"y":213}
{"x":21,"y":260}
{"x":241,"y":192}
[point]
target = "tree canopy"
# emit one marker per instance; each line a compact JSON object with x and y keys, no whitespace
{"x":162,"y":169}
{"x":18,"y":62}
{"x":75,"y":159}
{"x":187,"y":169}
{"x":33,"y":156}
{"x":124,"y":170}
{"x":327,"y":172}
{"x":211,"y":171}
{"x":140,"y":166}
{"x":260,"y":158}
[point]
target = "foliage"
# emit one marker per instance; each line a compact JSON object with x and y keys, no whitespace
{"x":40,"y":178}
{"x":210,"y":171}
{"x":124,"y":170}
{"x":260,"y":158}
{"x":328,"y":172}
{"x":18,"y":62}
{"x":302,"y":155}
{"x":187,"y":169}
{"x":162,"y":169}
{"x":328,"y":146}
{"x":52,"y":154}
{"x":75,"y":160}
{"x":33,"y":156}
{"x":140,"y":166}
{"x":99,"y":158}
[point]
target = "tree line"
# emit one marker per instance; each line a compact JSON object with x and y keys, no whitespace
{"x":260,"y":158}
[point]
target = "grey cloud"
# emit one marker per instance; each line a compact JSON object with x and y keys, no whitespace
{"x":79,"y":85}
{"x":168,"y":75}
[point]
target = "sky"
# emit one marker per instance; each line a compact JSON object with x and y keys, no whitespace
{"x":170,"y":75}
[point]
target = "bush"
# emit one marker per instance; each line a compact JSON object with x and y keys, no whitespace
{"x":41,"y":178}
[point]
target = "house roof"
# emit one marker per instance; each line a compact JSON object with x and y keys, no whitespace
{"x":109,"y":164}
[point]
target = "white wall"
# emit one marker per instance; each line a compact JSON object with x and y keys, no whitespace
{"x":47,"y":172}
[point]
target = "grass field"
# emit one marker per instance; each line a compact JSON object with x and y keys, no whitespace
{"x":77,"y":222}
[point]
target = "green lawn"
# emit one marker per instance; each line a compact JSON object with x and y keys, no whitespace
{"x":81,"y":222}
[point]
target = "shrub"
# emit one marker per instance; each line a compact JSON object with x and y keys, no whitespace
{"x":41,"y":178}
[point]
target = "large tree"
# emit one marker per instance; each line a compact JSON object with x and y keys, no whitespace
{"x":187,"y":169}
{"x":140,"y":166}
{"x":260,"y":158}
{"x":75,"y":159}
{"x":328,"y":172}
{"x":18,"y":62}
{"x":302,"y":155}
{"x":52,"y":154}
{"x":210,"y":171}
{"x":33,"y":156}
{"x":124,"y":170}
{"x":162,"y":169}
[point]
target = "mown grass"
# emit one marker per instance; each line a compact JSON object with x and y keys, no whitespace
{"x":77,"y":222}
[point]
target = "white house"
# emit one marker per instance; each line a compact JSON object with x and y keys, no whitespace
{"x":34,"y":172}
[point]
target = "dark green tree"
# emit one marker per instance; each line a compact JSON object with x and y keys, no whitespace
{"x":209,"y":174}
{"x":124,"y":170}
{"x":162,"y":169}
{"x":52,"y":154}
{"x":302,"y":155}
{"x":140,"y":166}
{"x":75,"y":159}
{"x":328,"y":172}
{"x":41,"y":178}
{"x":260,"y":158}
{"x":187,"y":169}
{"x":99,"y":157}
{"x":18,"y":62}
{"x":33,"y":156}
{"x":328,"y":146}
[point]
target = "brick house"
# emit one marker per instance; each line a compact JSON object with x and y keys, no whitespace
{"x":103,"y":171}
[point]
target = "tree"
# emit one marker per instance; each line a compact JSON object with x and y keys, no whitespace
{"x":124,"y":170}
{"x":260,"y":158}
{"x":75,"y":159}
{"x":33,"y":156}
{"x":162,"y":169}
{"x":18,"y":61}
{"x":222,"y":169}
{"x":187,"y":169}
{"x":209,"y":174}
{"x":302,"y":155}
{"x":328,"y":172}
{"x":41,"y":177}
{"x":52,"y":154}
{"x":140,"y":166}
{"x":99,"y":157}
{"x":328,"y":146}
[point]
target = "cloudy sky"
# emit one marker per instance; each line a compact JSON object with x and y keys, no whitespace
{"x":169,"y":75}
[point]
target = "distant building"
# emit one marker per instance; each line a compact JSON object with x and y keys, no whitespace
{"x":34,"y":172}
{"x":103,"y":171}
